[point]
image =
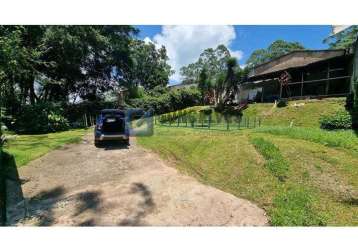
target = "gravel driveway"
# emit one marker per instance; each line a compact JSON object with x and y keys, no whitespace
{"x":81,"y":185}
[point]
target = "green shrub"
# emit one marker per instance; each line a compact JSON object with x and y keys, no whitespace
{"x":207,"y":111}
{"x":294,"y":207}
{"x":57,"y":122}
{"x":339,"y":120}
{"x":282,"y":103}
{"x":228,"y":110}
{"x":40,"y":118}
{"x":32,"y":119}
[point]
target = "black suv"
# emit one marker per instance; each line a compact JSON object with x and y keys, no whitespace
{"x":111,"y":125}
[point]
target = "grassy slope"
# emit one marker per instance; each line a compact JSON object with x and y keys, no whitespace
{"x":29,"y":147}
{"x":303,"y":116}
{"x":322,"y":178}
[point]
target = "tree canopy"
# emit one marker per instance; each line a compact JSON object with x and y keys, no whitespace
{"x":212,"y":60}
{"x":276,"y":49}
{"x":149,"y":66}
{"x":344,"y":39}
{"x":47,"y":63}
{"x":54,"y":63}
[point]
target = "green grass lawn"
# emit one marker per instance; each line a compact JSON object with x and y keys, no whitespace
{"x":26,"y":148}
{"x":301,"y":175}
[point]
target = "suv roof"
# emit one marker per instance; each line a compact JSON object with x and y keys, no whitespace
{"x":111,"y":111}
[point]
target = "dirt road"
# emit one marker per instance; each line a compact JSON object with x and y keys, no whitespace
{"x":81,"y":185}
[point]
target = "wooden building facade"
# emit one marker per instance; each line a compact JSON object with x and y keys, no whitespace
{"x":300,"y":74}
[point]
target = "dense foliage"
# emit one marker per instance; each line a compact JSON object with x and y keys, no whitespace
{"x":339,"y":120}
{"x":39,"y":118}
{"x":49,"y":63}
{"x":162,"y":100}
{"x":276,"y":49}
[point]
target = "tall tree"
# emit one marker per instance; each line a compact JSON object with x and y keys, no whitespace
{"x":276,"y":49}
{"x":149,"y":66}
{"x":213,"y":60}
{"x":203,"y":84}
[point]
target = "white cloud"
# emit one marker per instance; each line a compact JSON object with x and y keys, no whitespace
{"x":147,"y":40}
{"x":237,"y":53}
{"x":185,"y":43}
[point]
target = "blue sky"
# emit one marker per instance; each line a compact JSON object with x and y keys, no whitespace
{"x":185,"y":43}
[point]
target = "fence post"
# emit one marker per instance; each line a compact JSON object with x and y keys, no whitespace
{"x":209,"y":121}
{"x":85,"y":118}
{"x":259,"y":121}
{"x":248,"y":122}
{"x":178,"y":122}
{"x":186,"y":121}
{"x":255,"y":122}
{"x":227,"y":124}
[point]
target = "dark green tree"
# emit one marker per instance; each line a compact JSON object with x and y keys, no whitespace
{"x":47,"y":63}
{"x":276,"y":49}
{"x":149,"y":66}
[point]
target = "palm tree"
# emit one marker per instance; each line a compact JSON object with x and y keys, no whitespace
{"x":231,"y":85}
{"x":219,"y":87}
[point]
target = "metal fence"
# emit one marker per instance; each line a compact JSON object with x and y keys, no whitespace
{"x":208,"y":123}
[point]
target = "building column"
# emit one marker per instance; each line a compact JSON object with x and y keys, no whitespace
{"x":301,"y":83}
{"x":327,"y":83}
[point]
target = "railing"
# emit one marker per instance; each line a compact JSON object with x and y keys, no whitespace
{"x":208,"y":123}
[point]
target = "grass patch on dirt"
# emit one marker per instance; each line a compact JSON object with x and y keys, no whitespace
{"x":321,"y":181}
{"x":26,"y":148}
{"x":274,"y":160}
{"x":344,"y":138}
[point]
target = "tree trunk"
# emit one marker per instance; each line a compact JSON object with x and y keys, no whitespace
{"x":24,"y":95}
{"x":32,"y":90}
